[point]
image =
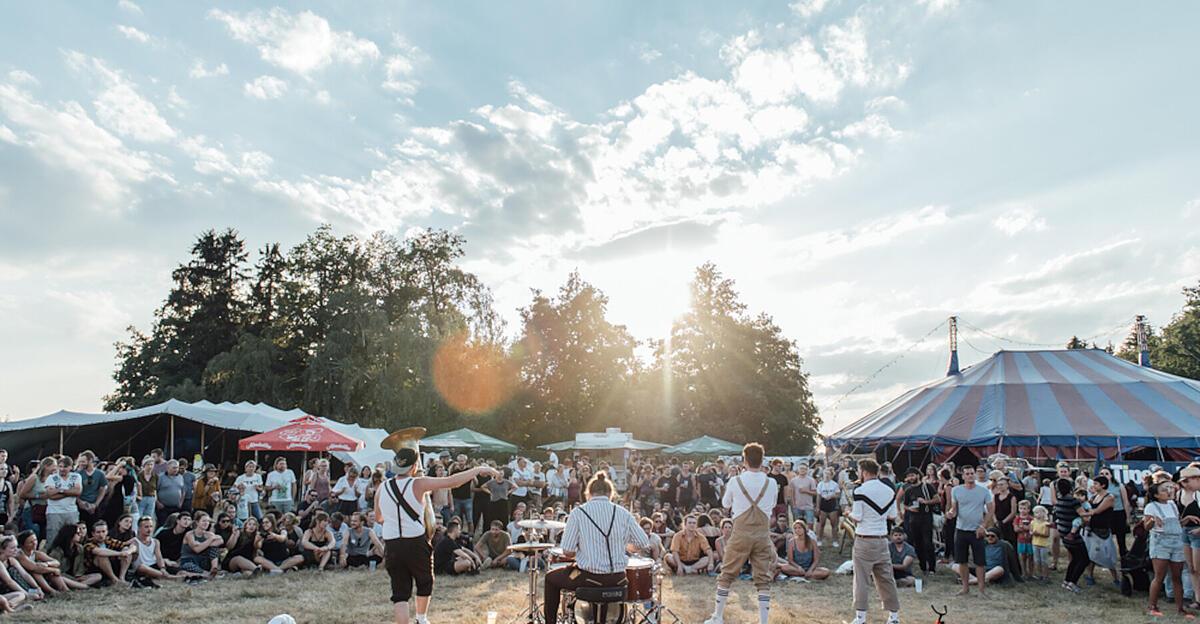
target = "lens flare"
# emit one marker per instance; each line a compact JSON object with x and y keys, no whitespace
{"x":473,"y":378}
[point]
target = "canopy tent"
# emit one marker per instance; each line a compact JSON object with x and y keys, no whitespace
{"x":1039,"y":404}
{"x":307,"y":433}
{"x":704,"y":445}
{"x":468,"y":438}
{"x":180,"y":428}
{"x":612,"y":439}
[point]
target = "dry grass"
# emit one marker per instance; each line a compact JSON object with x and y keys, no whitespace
{"x":362,"y":597}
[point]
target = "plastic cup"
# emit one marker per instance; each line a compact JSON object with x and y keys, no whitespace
{"x":491,"y":617}
{"x":920,"y":585}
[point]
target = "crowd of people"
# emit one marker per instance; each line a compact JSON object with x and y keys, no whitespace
{"x":78,"y":523}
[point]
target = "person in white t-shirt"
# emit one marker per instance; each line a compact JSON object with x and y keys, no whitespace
{"x":281,"y":483}
{"x":348,"y":490}
{"x":522,"y":476}
{"x":62,"y":490}
{"x":249,"y":484}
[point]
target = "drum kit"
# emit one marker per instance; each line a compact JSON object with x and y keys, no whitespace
{"x":643,"y":595}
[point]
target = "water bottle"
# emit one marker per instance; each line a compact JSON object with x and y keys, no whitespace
{"x":372,"y":565}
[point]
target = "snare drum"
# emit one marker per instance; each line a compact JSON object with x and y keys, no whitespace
{"x":639,"y":576}
{"x":556,"y":555}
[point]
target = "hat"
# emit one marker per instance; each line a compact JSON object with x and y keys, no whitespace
{"x":405,"y":443}
{"x":208,"y":467}
{"x":1189,"y":472}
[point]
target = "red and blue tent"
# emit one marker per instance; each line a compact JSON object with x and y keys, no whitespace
{"x":1072,"y":404}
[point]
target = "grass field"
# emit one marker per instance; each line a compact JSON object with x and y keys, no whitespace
{"x":362,"y":597}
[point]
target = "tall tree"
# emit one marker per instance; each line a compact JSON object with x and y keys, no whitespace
{"x":720,"y":365}
{"x":1076,"y":343}
{"x":575,"y":365}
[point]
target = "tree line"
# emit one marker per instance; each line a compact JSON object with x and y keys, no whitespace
{"x":390,"y":332}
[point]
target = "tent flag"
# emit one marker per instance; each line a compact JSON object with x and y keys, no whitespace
{"x":469,"y":438}
{"x":704,"y":445}
{"x":1046,"y":399}
{"x":308,"y":433}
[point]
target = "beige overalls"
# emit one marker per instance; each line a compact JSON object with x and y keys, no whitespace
{"x":750,"y":541}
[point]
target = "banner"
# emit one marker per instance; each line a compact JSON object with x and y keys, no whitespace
{"x":1127,"y":471}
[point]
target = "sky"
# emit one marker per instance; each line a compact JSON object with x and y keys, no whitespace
{"x":862,"y":171}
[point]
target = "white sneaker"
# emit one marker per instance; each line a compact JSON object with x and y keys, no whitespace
{"x":715,"y":619}
{"x":837,"y":545}
{"x":859,"y":620}
{"x":893,"y":620}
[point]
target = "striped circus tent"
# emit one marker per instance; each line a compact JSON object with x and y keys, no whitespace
{"x":1065,"y":404}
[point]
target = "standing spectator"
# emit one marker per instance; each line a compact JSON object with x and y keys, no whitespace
{"x":93,"y":485}
{"x":557,"y":481}
{"x":121,"y":497}
{"x":687,"y":489}
{"x":461,"y":497}
{"x":62,"y":488}
{"x":480,"y":501}
{"x":803,"y":494}
{"x":441,"y":498}
{"x":972,"y":509}
{"x":1166,"y":546}
{"x":710,"y":486}
{"x":32,"y":493}
{"x":1062,"y":473}
{"x":318,"y":481}
{"x":522,"y":476}
{"x":8,"y":498}
{"x":160,"y":464}
{"x":147,"y":482}
{"x":1006,"y":506}
{"x":1023,"y":528}
{"x":920,"y":498}
{"x":537,"y":484}
{"x":1069,"y":525}
{"x":189,"y":482}
{"x":207,"y":490}
{"x":499,"y":489}
{"x":829,"y":511}
{"x":781,"y":482}
{"x":349,"y":489}
{"x":170,"y":491}
{"x":281,"y":483}
{"x":250,"y":484}
{"x":1039,"y":537}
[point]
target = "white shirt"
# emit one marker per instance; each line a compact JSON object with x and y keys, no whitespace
{"x":828,"y":489}
{"x":593,"y":552}
{"x":395,"y":521}
{"x":871,"y":522}
{"x":58,"y":482}
{"x":251,"y":483}
{"x":284,"y":480}
{"x":557,"y":483}
{"x":350,"y":493}
{"x":753,"y":480}
{"x":522,"y":475}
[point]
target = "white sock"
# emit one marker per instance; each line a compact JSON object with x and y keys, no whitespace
{"x":893,"y":616}
{"x":764,"y":606}
{"x":722,"y":598}
{"x":860,"y":616}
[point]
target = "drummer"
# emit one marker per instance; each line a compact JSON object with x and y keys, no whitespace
{"x":596,"y":535}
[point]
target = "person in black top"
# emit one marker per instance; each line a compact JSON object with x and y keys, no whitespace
{"x":709,"y":494}
{"x":919,"y":498}
{"x":449,"y":557}
{"x":781,"y":481}
{"x":668,"y":487}
{"x":460,"y":497}
{"x":686,"y":490}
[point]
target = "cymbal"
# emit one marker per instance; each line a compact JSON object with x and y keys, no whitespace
{"x":542,"y":525}
{"x":531,"y":547}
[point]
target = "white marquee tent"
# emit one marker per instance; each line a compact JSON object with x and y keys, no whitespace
{"x":180,"y":428}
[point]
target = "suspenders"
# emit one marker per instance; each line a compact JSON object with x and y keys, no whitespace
{"x":611,"y":521}
{"x":401,"y":503}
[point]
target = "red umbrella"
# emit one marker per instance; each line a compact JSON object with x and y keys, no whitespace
{"x":307,"y":433}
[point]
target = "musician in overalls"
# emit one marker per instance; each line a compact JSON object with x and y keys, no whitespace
{"x":751,"y":498}
{"x":404,"y":509}
{"x":596,"y":535}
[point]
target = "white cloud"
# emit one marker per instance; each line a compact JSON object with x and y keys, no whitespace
{"x":1191,"y":209}
{"x":8,"y":136}
{"x":398,"y":71}
{"x":97,"y":314}
{"x":821,"y":246}
{"x":133,"y":34}
{"x":808,"y":8}
{"x":873,"y":126}
{"x":129,"y":7}
{"x":323,"y":98}
{"x":265,"y":88}
{"x":211,"y":159}
{"x":645,"y":53}
{"x":935,"y":7}
{"x":66,"y":137}
{"x":1019,"y":219}
{"x":302,"y":43}
{"x":119,"y":106}
{"x":200,"y":71}
{"x":18,"y":76}
{"x":174,"y":100}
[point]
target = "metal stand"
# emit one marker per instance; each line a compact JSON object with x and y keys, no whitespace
{"x":532,"y":614}
{"x":656,"y":611}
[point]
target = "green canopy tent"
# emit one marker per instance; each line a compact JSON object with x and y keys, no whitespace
{"x":468,"y":439}
{"x":704,"y":445}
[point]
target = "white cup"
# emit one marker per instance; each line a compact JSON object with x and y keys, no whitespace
{"x":491,"y":617}
{"x":920,"y":585}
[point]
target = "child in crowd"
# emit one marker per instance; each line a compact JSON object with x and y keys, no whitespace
{"x":1022,"y":527}
{"x":1039,"y":536}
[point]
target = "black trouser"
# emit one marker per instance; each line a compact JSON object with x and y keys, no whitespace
{"x":1120,"y":528}
{"x":572,"y":578}
{"x":409,"y":561}
{"x":920,"y":535}
{"x":948,"y":530}
{"x":1079,"y":560}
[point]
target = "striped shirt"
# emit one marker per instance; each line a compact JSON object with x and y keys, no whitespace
{"x":593,"y":552}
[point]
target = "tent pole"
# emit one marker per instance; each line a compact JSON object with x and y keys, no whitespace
{"x":1037,"y":453}
{"x":171,"y":433}
{"x":201,"y":440}
{"x":1076,"y":448}
{"x":61,"y":439}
